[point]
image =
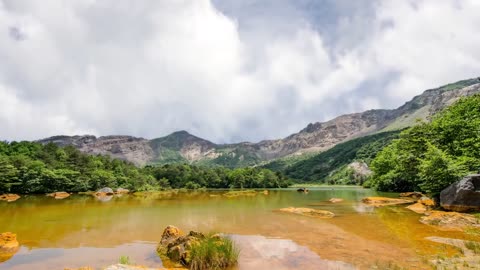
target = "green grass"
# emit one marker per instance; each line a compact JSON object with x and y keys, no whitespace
{"x":124,"y":260}
{"x":214,"y":252}
{"x":473,"y":246}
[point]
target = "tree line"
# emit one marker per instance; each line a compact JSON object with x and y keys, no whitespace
{"x":29,"y":167}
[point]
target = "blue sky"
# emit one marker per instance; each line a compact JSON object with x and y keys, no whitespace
{"x":227,"y":70}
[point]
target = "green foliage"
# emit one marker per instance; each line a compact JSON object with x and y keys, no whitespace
{"x":124,"y":260}
{"x":319,"y":167}
{"x":213,"y":252}
{"x":27,"y":167}
{"x":430,"y":156}
{"x":437,"y":170}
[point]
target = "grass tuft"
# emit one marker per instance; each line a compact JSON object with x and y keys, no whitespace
{"x":473,"y":246}
{"x":214,"y":252}
{"x":124,"y":260}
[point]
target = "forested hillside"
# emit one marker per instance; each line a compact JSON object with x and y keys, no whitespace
{"x":430,"y":156}
{"x":319,"y":167}
{"x":27,"y":167}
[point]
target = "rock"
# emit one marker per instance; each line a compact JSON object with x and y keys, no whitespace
{"x":335,"y":200}
{"x":265,"y":192}
{"x":177,"y":246}
{"x":132,"y":267}
{"x":462,"y":196}
{"x":305,"y":190}
{"x":308,"y":212}
{"x":81,"y":268}
{"x":384,"y":201}
{"x":413,"y":195}
{"x":169,"y":234}
{"x":426,"y":201}
{"x":59,"y":195}
{"x":9,"y":197}
{"x":122,"y":191}
{"x":106,"y":190}
{"x":418,"y":208}
{"x":450,"y":220}
{"x":8,"y":245}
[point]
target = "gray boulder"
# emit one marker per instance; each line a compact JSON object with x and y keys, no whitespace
{"x":462,"y":196}
{"x":106,"y":190}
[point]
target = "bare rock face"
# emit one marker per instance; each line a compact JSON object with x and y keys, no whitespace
{"x":462,"y":196}
{"x":135,"y":150}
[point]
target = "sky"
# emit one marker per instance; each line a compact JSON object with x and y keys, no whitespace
{"x":224,"y":70}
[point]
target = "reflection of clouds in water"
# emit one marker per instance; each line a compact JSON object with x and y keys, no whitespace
{"x":362,"y":208}
{"x":270,"y":248}
{"x":258,"y":252}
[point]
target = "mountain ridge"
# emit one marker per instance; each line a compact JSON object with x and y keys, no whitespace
{"x":181,"y":146}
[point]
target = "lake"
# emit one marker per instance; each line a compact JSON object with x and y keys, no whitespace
{"x":84,"y":231}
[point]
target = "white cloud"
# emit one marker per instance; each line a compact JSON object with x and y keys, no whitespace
{"x":147,"y":68}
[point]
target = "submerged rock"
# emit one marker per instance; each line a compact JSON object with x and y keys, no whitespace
{"x":265,"y":192}
{"x":132,"y":267}
{"x":450,"y":220}
{"x":418,"y":208}
{"x":59,"y":195}
{"x":384,"y":201}
{"x":8,"y":245}
{"x":335,"y":200}
{"x":462,"y":196}
{"x":305,"y":190}
{"x":9,"y":197}
{"x":308,"y":212}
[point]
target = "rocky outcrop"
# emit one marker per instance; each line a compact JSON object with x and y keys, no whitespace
{"x":9,"y":197}
{"x":450,"y":220}
{"x":462,"y":196}
{"x":8,"y":245}
{"x":308,"y":212}
{"x":59,"y":195}
{"x":384,"y":201}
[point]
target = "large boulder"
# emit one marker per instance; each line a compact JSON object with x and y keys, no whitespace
{"x":106,"y":190}
{"x":8,"y":245}
{"x":462,"y":196}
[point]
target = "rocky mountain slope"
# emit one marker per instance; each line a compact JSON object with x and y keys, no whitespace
{"x":184,"y":147}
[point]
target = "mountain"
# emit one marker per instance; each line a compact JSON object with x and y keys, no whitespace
{"x":316,"y":137}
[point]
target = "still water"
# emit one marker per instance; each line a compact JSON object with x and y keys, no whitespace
{"x":84,"y":231}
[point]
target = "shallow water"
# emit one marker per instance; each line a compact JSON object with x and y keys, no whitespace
{"x":82,"y":230}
